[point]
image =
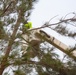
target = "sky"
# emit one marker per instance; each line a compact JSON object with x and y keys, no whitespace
{"x":44,"y":10}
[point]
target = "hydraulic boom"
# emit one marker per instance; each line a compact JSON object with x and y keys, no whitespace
{"x":38,"y":36}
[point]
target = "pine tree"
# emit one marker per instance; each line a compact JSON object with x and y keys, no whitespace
{"x":13,"y":15}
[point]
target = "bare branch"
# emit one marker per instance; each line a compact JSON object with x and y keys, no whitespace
{"x":62,"y":21}
{"x":11,"y":41}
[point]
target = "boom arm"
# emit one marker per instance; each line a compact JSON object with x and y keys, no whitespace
{"x":58,"y":44}
{"x":40,"y":35}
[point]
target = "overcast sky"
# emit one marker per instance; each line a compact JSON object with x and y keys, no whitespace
{"x":44,"y":10}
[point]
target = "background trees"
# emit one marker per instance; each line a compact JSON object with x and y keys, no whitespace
{"x":42,"y":59}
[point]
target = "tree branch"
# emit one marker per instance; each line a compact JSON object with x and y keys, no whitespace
{"x":6,"y":9}
{"x":11,"y":41}
{"x":62,"y":70}
{"x":62,"y":21}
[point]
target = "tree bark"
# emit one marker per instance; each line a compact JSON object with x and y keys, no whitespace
{"x":11,"y":41}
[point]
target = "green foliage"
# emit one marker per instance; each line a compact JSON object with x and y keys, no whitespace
{"x":63,"y":29}
{"x":2,"y":32}
{"x":19,"y":72}
{"x":42,"y":58}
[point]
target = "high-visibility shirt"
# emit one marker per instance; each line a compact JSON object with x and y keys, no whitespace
{"x":28,"y":25}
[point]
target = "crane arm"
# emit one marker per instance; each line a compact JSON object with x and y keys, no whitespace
{"x":38,"y":36}
{"x":55,"y":42}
